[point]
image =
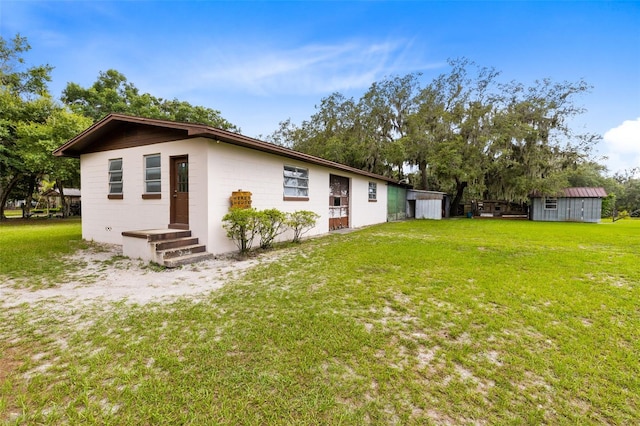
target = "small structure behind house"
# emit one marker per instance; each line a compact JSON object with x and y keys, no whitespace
{"x":498,"y":209}
{"x":570,"y":205}
{"x":426,"y":204}
{"x":71,"y":194}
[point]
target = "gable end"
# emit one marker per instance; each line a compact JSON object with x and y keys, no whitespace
{"x":127,"y":135}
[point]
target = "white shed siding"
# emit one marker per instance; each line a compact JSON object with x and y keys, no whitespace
{"x":428,"y":209}
{"x":104,"y":220}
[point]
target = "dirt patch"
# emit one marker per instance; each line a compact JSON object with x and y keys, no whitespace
{"x":107,"y":276}
{"x":9,"y":362}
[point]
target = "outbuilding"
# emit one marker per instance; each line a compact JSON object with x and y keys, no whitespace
{"x":569,"y":205}
{"x":423,"y":204}
{"x":72,"y":196}
{"x":147,"y":180}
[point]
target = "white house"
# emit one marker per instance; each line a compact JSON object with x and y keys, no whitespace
{"x":142,"y":177}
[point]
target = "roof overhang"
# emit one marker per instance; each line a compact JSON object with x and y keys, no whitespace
{"x":84,"y":142}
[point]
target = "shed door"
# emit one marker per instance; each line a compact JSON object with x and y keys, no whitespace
{"x":179,"y":217}
{"x":338,"y":202}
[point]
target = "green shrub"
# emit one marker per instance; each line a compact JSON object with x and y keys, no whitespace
{"x":623,"y":214}
{"x":241,"y":226}
{"x":270,"y":223}
{"x":301,"y":222}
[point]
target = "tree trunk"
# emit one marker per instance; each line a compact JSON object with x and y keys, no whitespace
{"x":455,"y":203}
{"x":64,"y":204}
{"x":422,"y":166}
{"x":32,"y":187}
{"x":5,"y":191}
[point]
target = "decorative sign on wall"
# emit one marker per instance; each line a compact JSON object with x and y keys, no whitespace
{"x":240,"y":199}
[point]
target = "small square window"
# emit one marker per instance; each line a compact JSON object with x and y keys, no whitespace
{"x":296,"y":182}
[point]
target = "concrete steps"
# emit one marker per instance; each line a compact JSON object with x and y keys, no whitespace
{"x":168,"y":247}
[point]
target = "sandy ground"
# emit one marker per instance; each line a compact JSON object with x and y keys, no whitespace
{"x":108,"y":277}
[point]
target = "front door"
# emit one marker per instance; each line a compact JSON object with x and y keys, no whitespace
{"x":179,"y":217}
{"x":338,"y":202}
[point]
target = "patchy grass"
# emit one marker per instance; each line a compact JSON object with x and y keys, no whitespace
{"x":420,"y":322}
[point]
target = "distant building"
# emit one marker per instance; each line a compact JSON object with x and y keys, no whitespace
{"x":570,"y":205}
{"x":423,"y":204}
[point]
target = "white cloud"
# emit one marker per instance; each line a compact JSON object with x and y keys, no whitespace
{"x":623,"y":145}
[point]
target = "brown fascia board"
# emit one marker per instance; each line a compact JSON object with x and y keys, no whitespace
{"x":201,"y":130}
{"x":93,"y":132}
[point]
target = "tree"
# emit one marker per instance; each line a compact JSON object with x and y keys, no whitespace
{"x":533,"y":145}
{"x":112,"y":93}
{"x":32,"y":125}
{"x":36,"y":142}
{"x":23,"y":99}
{"x":468,"y":134}
{"x":331,"y":133}
{"x":451,"y":129}
{"x":628,"y":195}
{"x":365,"y":134}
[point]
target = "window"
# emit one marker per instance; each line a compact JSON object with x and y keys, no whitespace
{"x":550,"y":203}
{"x":115,"y":178}
{"x":296,"y":183}
{"x":373,"y":191}
{"x":152,"y":183}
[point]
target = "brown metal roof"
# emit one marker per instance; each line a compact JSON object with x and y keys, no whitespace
{"x":585,"y":192}
{"x":92,"y":136}
{"x":579,"y":192}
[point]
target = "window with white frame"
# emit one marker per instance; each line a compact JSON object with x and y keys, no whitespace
{"x":551,"y":203}
{"x":373,"y":191}
{"x":296,"y":182}
{"x":115,"y":176}
{"x":152,"y":182}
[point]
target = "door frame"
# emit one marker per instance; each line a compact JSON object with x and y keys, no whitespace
{"x":339,"y":203}
{"x":173,"y":160}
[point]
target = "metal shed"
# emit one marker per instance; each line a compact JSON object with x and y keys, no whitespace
{"x":396,"y":202}
{"x":570,"y":205}
{"x":425,"y":204}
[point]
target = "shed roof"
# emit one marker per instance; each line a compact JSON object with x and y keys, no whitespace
{"x":68,"y":192}
{"x":88,"y":140}
{"x":585,"y":192}
{"x":578,"y":192}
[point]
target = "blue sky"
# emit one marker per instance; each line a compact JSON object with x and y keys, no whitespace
{"x":261,"y":62}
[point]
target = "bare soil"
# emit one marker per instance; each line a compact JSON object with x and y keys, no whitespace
{"x":105,"y":275}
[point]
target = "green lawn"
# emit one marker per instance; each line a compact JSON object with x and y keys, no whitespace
{"x":31,"y":250}
{"x":418,"y":322}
